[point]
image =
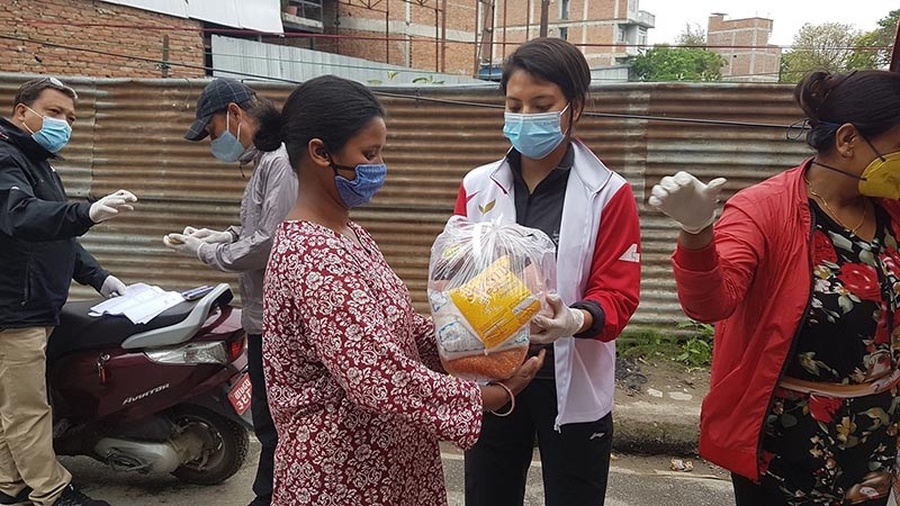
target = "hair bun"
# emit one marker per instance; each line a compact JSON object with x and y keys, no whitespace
{"x":269,"y":135}
{"x":811,"y":93}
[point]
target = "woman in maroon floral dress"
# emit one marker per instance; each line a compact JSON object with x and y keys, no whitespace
{"x":802,"y":276}
{"x":355,"y":384}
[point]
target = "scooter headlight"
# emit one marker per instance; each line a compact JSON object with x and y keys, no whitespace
{"x":213,"y":352}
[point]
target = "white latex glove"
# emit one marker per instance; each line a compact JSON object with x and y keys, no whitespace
{"x":209,"y":236}
{"x":184,"y":244}
{"x":111,"y":205}
{"x":112,"y":287}
{"x":564,"y":322}
{"x":686,"y":200}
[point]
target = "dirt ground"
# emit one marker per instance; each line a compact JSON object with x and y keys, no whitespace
{"x":635,"y":376}
{"x":657,"y":408}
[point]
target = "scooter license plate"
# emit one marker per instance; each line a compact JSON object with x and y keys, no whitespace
{"x":239,"y":395}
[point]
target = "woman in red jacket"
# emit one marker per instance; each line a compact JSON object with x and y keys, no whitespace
{"x":802,"y":275}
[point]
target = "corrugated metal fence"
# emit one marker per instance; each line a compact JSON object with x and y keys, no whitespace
{"x":129,"y":135}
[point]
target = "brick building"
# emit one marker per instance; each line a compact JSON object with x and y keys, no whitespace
{"x":412,"y":33}
{"x":479,"y":33}
{"x":607,"y":30}
{"x":80,"y":37}
{"x":744,"y":43}
{"x":131,"y":38}
{"x":83,"y":37}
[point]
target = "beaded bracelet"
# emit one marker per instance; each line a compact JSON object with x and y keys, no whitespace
{"x":512,"y":401}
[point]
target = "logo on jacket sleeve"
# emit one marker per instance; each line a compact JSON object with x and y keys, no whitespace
{"x":487,"y":207}
{"x":631,"y":254}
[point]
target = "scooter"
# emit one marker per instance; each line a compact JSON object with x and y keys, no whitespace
{"x":171,"y":395}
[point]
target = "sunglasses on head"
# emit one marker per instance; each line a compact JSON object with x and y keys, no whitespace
{"x":56,"y":83}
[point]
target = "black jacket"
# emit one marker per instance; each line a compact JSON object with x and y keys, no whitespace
{"x":39,"y":253}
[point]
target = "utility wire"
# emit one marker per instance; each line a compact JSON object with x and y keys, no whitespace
{"x":418,"y":72}
{"x":386,"y":70}
{"x":403,"y":96}
{"x":406,"y":38}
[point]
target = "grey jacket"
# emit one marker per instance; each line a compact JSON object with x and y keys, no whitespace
{"x":269,"y":197}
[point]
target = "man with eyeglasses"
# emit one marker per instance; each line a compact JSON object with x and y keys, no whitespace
{"x":39,"y":257}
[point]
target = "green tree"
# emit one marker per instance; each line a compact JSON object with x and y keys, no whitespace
{"x":666,"y":63}
{"x":829,"y":46}
{"x":877,"y":44}
{"x":692,"y":35}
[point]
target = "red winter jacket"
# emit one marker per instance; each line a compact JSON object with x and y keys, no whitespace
{"x":755,"y":281}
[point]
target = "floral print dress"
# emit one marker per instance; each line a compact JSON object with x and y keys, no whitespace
{"x":837,"y":443}
{"x":351,"y":372}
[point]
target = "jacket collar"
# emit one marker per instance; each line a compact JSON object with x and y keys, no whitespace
{"x":251,"y":155}
{"x":799,"y":194}
{"x":801,"y":197}
{"x":589,"y":170}
{"x":14,"y":135}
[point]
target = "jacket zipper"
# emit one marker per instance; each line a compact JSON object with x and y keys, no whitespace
{"x":26,"y":292}
{"x":794,"y":343}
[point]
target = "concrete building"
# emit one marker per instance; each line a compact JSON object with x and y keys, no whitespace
{"x":465,"y":36}
{"x":431,"y":35}
{"x":744,"y":43}
{"x":608,"y":31}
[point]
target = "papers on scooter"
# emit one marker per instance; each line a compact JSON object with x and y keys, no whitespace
{"x":140,"y":303}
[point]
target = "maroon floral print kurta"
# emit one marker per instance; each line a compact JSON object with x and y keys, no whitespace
{"x":351,"y":376}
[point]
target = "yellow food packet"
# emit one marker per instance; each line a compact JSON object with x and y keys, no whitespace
{"x":496,"y":303}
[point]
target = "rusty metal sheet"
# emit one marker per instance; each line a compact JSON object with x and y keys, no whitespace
{"x":129,"y":135}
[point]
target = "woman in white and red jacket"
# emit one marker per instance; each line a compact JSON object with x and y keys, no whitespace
{"x":553,"y":182}
{"x":801,"y":274}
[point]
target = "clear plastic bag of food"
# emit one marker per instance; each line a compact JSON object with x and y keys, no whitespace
{"x":486,"y":282}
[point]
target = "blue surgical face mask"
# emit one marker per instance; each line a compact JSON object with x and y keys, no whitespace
{"x":54,"y":133}
{"x":227,"y":147}
{"x":359,"y":190}
{"x":534,"y":135}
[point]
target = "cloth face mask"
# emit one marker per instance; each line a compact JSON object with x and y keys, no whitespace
{"x":361,"y":189}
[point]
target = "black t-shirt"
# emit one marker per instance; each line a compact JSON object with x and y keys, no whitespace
{"x":542,"y":209}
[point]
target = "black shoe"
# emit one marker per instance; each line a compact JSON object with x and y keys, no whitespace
{"x":72,"y":497}
{"x":21,"y":499}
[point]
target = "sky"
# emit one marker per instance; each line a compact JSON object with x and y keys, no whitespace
{"x":788,"y":15}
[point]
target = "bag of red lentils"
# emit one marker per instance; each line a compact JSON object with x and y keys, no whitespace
{"x":486,"y":282}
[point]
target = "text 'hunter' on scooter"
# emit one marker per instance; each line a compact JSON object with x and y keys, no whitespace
{"x":171,"y":395}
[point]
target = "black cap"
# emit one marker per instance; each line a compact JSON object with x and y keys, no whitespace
{"x":215,"y":98}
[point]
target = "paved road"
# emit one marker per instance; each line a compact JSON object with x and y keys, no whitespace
{"x":634,"y":481}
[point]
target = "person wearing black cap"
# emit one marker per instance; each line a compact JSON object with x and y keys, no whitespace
{"x":229,"y":113}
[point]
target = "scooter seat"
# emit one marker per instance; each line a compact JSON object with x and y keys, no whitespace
{"x":77,"y":331}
